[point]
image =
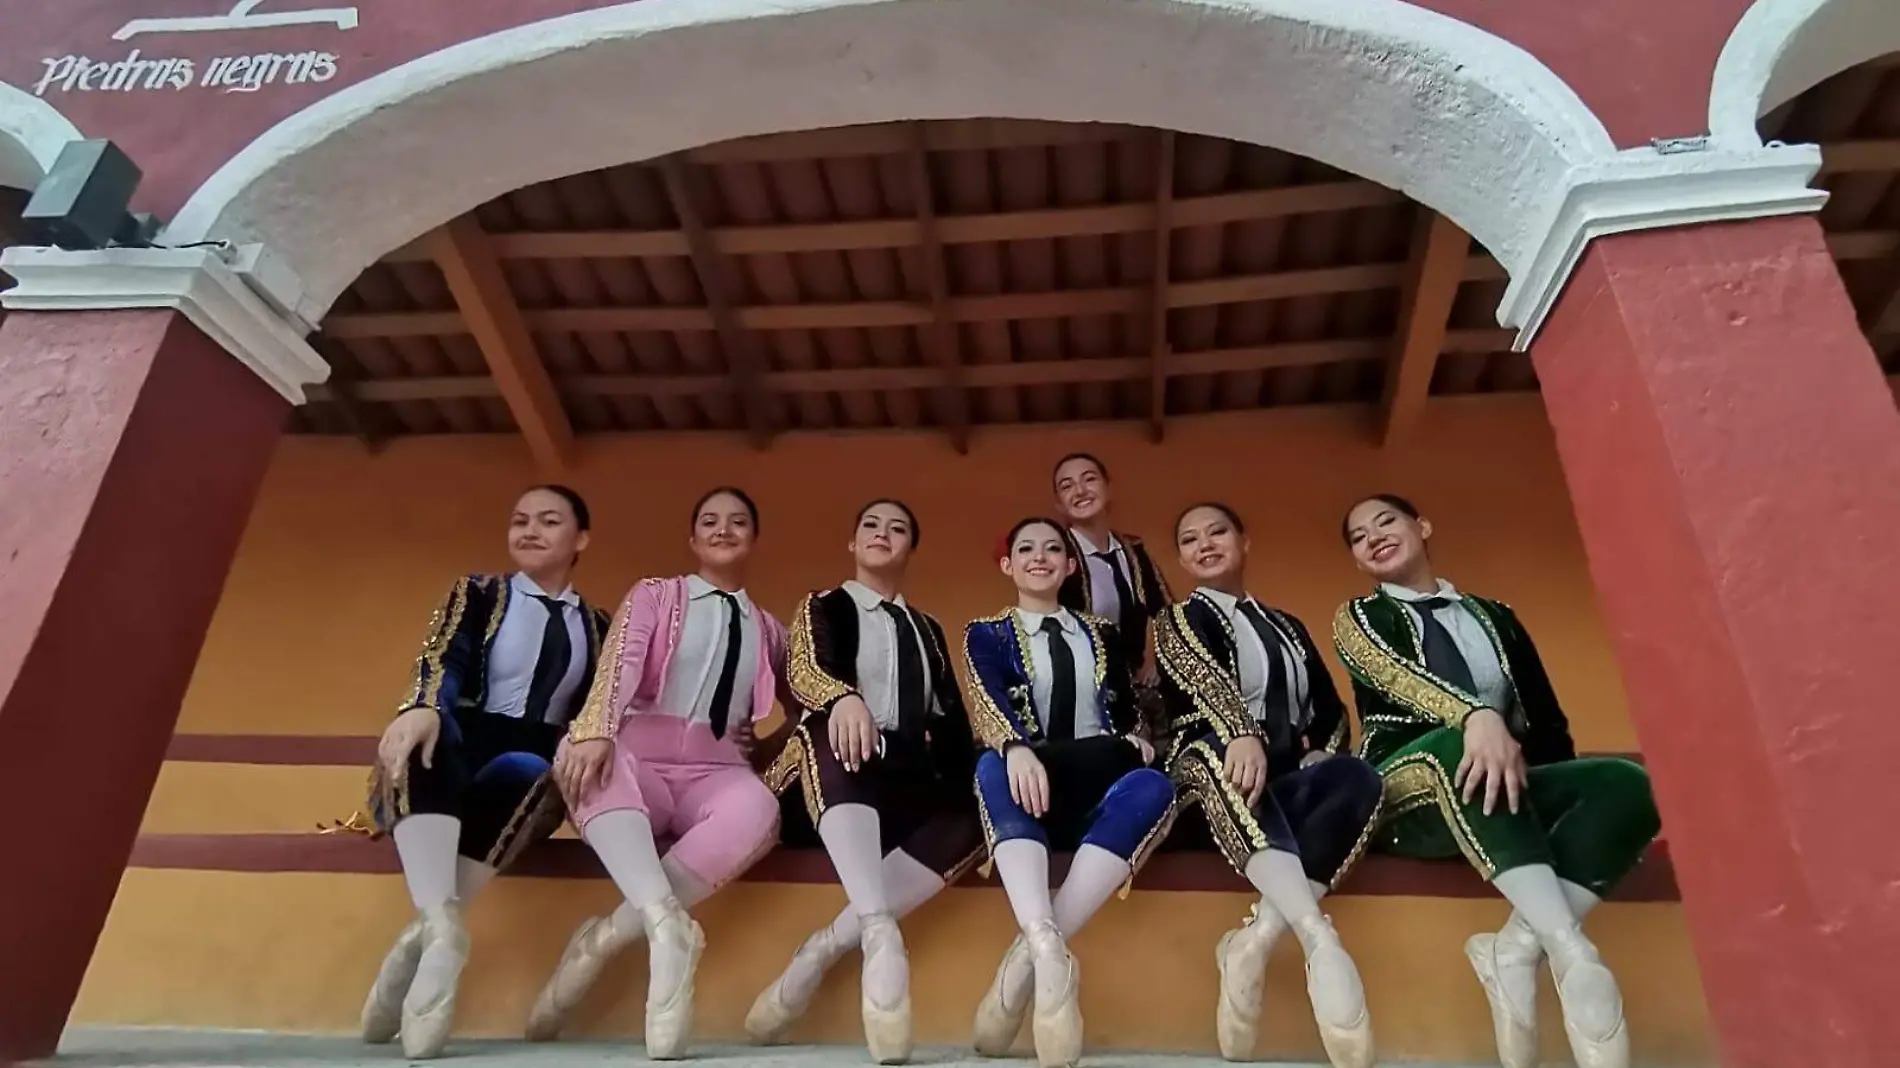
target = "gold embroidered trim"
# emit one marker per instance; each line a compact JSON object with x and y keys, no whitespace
{"x":1146,"y":847}
{"x":443,"y":623}
{"x":1417,"y":779}
{"x":796,"y":765}
{"x":529,"y":816}
{"x":990,"y":725}
{"x":1407,"y":683}
{"x":1200,"y":773}
{"x":963,"y":867}
{"x":811,"y":684}
{"x":1338,"y":740}
{"x":1358,"y":846}
{"x":1191,"y":666}
{"x":600,"y":713}
{"x":989,"y":830}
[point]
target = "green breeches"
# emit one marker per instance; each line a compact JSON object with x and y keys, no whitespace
{"x":1591,"y":820}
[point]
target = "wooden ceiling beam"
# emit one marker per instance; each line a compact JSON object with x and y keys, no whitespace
{"x":1158,"y":294}
{"x":1128,"y":368}
{"x":1214,"y":210}
{"x":940,"y":336}
{"x":342,"y":394}
{"x":745,"y":358}
{"x":1872,"y":154}
{"x":1122,"y":300}
{"x":490,"y":314}
{"x":1439,"y":252}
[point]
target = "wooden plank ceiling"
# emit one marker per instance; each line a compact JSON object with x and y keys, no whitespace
{"x":948,"y":276}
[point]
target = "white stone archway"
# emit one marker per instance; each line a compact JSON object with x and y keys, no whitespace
{"x":1455,"y":117}
{"x":31,"y":134}
{"x":1782,"y":48}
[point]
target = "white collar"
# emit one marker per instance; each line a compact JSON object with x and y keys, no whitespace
{"x":1227,"y":602}
{"x":521,"y":583}
{"x":869,"y":599}
{"x":698,"y":588}
{"x":1445,"y":591}
{"x":1032,"y":621}
{"x":1088,"y":547}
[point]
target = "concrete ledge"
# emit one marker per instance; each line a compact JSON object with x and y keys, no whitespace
{"x":566,"y":858}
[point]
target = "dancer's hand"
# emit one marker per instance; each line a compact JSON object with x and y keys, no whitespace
{"x":743,"y":736}
{"x":1028,"y":780}
{"x":1141,"y":746}
{"x":1492,"y":759}
{"x":853,"y":732}
{"x":1247,"y":767}
{"x":418,"y":728}
{"x":582,"y":767}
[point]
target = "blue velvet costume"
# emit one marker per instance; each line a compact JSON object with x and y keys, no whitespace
{"x":1101,"y":791}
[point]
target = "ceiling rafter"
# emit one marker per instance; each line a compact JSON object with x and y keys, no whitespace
{"x":1158,"y":295}
{"x":940,"y":334}
{"x":1439,"y":251}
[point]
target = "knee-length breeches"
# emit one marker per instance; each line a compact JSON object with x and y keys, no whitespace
{"x":1591,"y":820}
{"x":933,"y":821}
{"x":720,"y":817}
{"x":490,"y":772}
{"x":1100,"y":794}
{"x":1324,"y":813}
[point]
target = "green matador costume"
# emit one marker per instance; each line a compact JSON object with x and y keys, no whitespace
{"x":1591,"y":819}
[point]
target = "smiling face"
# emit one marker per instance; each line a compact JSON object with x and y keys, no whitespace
{"x":1386,"y":543}
{"x":723,"y":531}
{"x":1038,"y":560}
{"x":543,"y":533}
{"x":1081,"y":490}
{"x":1211,"y":548}
{"x":883,"y":538}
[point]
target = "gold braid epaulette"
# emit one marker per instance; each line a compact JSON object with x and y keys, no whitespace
{"x":1404,"y":682}
{"x":1189,"y":664}
{"x":988,"y":722}
{"x":811,"y":684}
{"x":600,"y":713}
{"x":446,"y":620}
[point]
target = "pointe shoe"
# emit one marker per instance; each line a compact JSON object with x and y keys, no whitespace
{"x":676,"y":942}
{"x":999,"y":1016}
{"x":1241,"y":958}
{"x":594,"y":943}
{"x":382,"y":1009}
{"x":780,"y":1005}
{"x":428,"y":1010}
{"x":1058,"y":1020}
{"x":1338,"y":996}
{"x":887,"y":1028}
{"x":1507,"y":969}
{"x":1592,"y":1004}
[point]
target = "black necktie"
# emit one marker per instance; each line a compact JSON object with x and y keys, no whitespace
{"x":910,"y":673}
{"x":1062,"y":682}
{"x":551,"y":666}
{"x":1123,"y":593}
{"x":1442,"y":657}
{"x":1278,"y":707}
{"x":721,"y":708}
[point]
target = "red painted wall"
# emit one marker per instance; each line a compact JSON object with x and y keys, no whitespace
{"x":1643,"y":67}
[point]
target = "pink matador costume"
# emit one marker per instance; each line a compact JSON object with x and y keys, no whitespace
{"x":695,"y":789}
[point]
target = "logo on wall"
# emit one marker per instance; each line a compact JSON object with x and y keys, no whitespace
{"x":245,"y":72}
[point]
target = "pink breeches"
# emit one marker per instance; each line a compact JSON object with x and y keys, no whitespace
{"x":719,"y":816}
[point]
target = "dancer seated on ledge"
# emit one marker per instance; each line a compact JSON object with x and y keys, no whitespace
{"x":661,"y":748}
{"x":461,"y":781}
{"x":1051,"y":696}
{"x":882,"y":756}
{"x":1463,"y":724}
{"x":1256,"y":737}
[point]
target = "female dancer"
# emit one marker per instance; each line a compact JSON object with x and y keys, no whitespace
{"x":1477,"y":758}
{"x":1115,"y":577}
{"x":461,"y":780}
{"x":1051,"y":697}
{"x":661,"y":748}
{"x":1255,"y":736}
{"x":883,"y":756}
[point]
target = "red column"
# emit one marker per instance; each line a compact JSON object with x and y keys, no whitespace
{"x":131,"y":448}
{"x":1733,"y":455}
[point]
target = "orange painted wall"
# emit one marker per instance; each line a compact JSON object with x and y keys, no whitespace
{"x":346,"y":554}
